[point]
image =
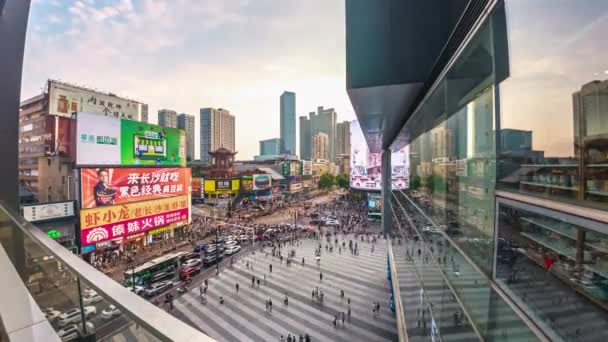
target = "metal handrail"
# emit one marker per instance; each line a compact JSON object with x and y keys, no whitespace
{"x":401,"y":325}
{"x":152,"y":318}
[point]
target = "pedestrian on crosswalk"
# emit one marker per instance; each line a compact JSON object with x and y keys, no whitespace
{"x":320,"y":276}
{"x":348,"y":313}
{"x":236,"y":286}
{"x":343,"y":318}
{"x":264,"y":279}
{"x":252,"y":281}
{"x":335,"y":320}
{"x":270,"y":305}
{"x":258,"y":281}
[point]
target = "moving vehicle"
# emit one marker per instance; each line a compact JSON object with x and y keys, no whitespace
{"x":192,"y":263}
{"x":233,"y":249}
{"x":199,"y":248}
{"x":91,"y":299}
{"x":110,"y":312}
{"x":51,"y":314}
{"x":332,"y":223}
{"x":73,"y":331}
{"x":144,"y":274}
{"x":138,"y":290}
{"x":157,"y":288}
{"x":73,"y":316}
{"x":187,"y":272}
{"x":244,"y":238}
{"x":212,"y":258}
{"x":189,"y":256}
{"x":230,"y":243}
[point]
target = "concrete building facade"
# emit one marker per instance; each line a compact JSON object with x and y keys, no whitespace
{"x":217,"y":129}
{"x":186,"y":122}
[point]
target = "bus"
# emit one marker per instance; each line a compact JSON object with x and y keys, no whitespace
{"x":161,"y":268}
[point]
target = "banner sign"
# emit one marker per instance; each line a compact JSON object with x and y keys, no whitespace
{"x":110,"y":186}
{"x":262,"y":182}
{"x":197,"y":187}
{"x":48,"y":211}
{"x":306,"y":167}
{"x":109,"y":141}
{"x":66,"y":99}
{"x":111,"y":222}
{"x":247,"y":183}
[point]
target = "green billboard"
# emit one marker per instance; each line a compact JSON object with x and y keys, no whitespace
{"x":147,"y":144}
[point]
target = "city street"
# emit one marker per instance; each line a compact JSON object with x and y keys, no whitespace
{"x":243,"y":317}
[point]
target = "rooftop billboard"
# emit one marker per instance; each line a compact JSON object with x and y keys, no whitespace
{"x":108,"y":141}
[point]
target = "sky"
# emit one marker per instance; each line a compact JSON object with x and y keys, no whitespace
{"x":189,"y":54}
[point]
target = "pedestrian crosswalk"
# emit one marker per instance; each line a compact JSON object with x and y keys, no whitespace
{"x":243,"y":316}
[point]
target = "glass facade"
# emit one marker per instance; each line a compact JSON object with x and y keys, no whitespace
{"x":507,"y":156}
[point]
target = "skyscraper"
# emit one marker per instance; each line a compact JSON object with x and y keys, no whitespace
{"x":144,"y":112}
{"x":217,"y":130}
{"x":167,"y":118}
{"x":288,"y":122}
{"x":270,"y":147}
{"x":305,"y":138}
{"x":343,"y":138}
{"x":186,"y":122}
{"x":324,"y":121}
{"x":320,"y":146}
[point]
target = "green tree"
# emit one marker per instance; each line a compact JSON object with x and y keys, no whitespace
{"x":326,"y":181}
{"x":342,"y":181}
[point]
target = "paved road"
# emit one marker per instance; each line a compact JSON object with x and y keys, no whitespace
{"x":243,"y":316}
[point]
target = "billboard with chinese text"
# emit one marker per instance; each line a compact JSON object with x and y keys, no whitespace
{"x":262,"y":182}
{"x":66,"y":99}
{"x":366,"y":167}
{"x":197,"y":187}
{"x":110,"y":186}
{"x":108,"y":141}
{"x":117,"y":221}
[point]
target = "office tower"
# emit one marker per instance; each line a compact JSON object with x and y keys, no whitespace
{"x":343,"y":138}
{"x":186,"y":122}
{"x":217,"y":130}
{"x":320,"y":146}
{"x":288,"y":123}
{"x":305,"y":138}
{"x":270,"y":147}
{"x":167,"y":118}
{"x":590,"y":113}
{"x":324,"y":121}
{"x":144,"y":112}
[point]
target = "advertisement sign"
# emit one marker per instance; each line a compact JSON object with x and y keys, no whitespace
{"x":247,"y":183}
{"x":197,"y":187}
{"x":262,"y":182}
{"x":208,"y":185}
{"x":295,"y":186}
{"x":306,"y":168}
{"x":110,"y":186}
{"x":223,"y":184}
{"x":108,"y":141}
{"x":111,"y":222}
{"x":48,"y":211}
{"x":66,"y":99}
{"x":366,"y":168}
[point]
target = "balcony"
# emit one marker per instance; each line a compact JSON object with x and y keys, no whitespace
{"x":50,"y":294}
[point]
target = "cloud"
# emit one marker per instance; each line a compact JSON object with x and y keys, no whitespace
{"x":190,"y":54}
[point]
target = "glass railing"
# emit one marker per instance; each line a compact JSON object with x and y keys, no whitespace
{"x":80,"y":302}
{"x":462,"y":300}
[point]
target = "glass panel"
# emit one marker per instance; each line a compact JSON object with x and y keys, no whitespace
{"x":556,"y":270}
{"x":554,"y":104}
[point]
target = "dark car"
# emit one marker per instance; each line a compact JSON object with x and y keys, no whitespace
{"x":188,"y":272}
{"x":199,"y":248}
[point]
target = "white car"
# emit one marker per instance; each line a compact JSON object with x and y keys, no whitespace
{"x":73,"y":316}
{"x":192,"y":263}
{"x":88,"y":300}
{"x":51,"y":314}
{"x":232,"y":249}
{"x":230,"y":243}
{"x":139,"y":290}
{"x":243,"y":238}
{"x":110,"y":312}
{"x":69,"y":333}
{"x":333,"y":223}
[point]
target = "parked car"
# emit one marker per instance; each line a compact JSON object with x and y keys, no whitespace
{"x":51,"y":314}
{"x":192,"y":263}
{"x":110,"y":312}
{"x":158,"y":287}
{"x":233,"y":249}
{"x":189,"y":272}
{"x":244,"y":238}
{"x":73,"y":316}
{"x":88,"y":300}
{"x":69,"y":333}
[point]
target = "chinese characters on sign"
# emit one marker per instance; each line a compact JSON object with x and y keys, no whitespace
{"x":223,"y":185}
{"x":101,"y":186}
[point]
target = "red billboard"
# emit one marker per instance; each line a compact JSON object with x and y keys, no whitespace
{"x":111,"y":186}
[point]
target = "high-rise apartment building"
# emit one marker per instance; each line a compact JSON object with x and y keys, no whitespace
{"x":320,"y":146}
{"x":167,"y":118}
{"x":217,"y":130}
{"x":324,"y":121}
{"x":342,"y":138}
{"x":305,"y":138}
{"x":288,"y":123}
{"x":144,"y":112}
{"x":270,"y":147}
{"x":186,"y":122}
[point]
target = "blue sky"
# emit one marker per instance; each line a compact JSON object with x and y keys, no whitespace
{"x":188,"y":54}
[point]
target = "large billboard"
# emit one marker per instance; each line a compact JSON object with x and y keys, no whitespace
{"x":291,"y":168}
{"x":109,"y":141}
{"x":110,"y":186}
{"x":197,"y":187}
{"x":66,"y":99}
{"x":262,"y":182}
{"x":306,"y":168}
{"x":366,"y":167}
{"x":117,"y":221}
{"x":48,"y":211}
